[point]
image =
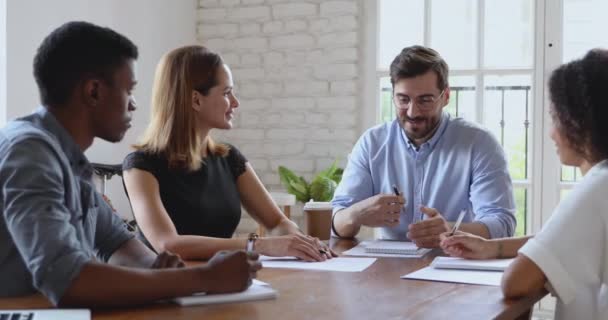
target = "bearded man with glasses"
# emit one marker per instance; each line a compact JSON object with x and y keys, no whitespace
{"x":411,"y":177}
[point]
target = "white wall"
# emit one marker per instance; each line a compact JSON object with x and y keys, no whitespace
{"x":156,"y":26}
{"x":2,"y":62}
{"x":297,"y":67}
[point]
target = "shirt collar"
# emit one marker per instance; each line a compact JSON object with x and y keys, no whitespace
{"x":443,"y":123}
{"x":78,"y":161}
{"x":597,"y":167}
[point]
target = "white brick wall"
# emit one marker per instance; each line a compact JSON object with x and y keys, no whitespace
{"x":297,"y":66}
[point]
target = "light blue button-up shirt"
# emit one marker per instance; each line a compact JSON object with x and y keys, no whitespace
{"x":461,"y":167}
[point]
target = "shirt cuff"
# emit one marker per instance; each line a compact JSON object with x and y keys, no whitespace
{"x":496,"y":227}
{"x":336,"y":209}
{"x":59,"y":275}
{"x":554,"y":271}
{"x":334,"y":233}
{"x":111,"y":244}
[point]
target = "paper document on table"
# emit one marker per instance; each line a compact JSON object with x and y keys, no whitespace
{"x":335,"y":264}
{"x":467,"y":264}
{"x":386,"y":249}
{"x":489,"y":278}
{"x":257,"y":291}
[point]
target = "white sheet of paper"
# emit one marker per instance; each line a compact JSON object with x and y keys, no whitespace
{"x":257,"y":291}
{"x":335,"y":264}
{"x":359,"y":251}
{"x":259,"y":283}
{"x":467,"y":264}
{"x":488,"y":278}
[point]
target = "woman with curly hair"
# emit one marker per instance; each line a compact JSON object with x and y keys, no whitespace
{"x":570,"y":253}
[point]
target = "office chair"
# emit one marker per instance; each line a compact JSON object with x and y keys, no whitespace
{"x":105,"y":172}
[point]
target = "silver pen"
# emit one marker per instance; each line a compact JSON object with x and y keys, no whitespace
{"x":458,"y":222}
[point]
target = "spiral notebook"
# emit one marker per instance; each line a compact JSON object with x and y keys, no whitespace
{"x":394,"y":247}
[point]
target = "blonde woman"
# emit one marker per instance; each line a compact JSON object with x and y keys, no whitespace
{"x":186,"y":190}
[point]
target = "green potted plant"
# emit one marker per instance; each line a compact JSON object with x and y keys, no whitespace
{"x":321,"y":188}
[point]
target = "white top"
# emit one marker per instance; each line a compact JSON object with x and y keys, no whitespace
{"x":572,"y":248}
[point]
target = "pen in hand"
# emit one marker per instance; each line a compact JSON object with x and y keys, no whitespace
{"x":397,"y":193}
{"x":458,"y":222}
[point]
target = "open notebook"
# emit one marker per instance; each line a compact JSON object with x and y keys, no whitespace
{"x":46,"y":314}
{"x":394,"y":247}
{"x":257,"y":291}
{"x":458,"y":270}
{"x":466,"y":264}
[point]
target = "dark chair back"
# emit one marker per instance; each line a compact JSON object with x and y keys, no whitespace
{"x":106,"y":172}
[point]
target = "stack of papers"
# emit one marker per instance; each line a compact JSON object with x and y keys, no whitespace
{"x":257,"y":291}
{"x":387,"y":249}
{"x":466,"y":264}
{"x":334,"y":264}
{"x":458,"y":270}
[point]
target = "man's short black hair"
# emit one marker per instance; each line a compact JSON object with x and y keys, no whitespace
{"x":76,"y":51}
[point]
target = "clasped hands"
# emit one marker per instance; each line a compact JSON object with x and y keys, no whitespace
{"x":384,"y":210}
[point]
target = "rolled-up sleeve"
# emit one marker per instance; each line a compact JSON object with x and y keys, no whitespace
{"x":356,"y":183}
{"x":37,"y":218}
{"x":491,"y":191}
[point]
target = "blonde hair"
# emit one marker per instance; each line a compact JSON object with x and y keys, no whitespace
{"x":172,"y":131}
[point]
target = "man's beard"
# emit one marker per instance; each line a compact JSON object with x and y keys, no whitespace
{"x":424,"y":126}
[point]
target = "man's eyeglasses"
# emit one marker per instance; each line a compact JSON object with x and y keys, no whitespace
{"x":424,"y":102}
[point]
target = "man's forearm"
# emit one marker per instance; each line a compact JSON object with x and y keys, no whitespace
{"x":101,"y":285}
{"x":344,"y":224}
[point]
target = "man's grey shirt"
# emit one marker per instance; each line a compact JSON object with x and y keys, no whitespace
{"x":53,"y":220}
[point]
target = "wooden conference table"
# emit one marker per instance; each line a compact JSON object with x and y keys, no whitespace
{"x":376,"y":293}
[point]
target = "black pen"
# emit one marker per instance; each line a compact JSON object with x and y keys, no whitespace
{"x":396,"y":190}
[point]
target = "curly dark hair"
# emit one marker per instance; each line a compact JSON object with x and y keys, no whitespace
{"x":74,"y":51}
{"x":579,"y":103}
